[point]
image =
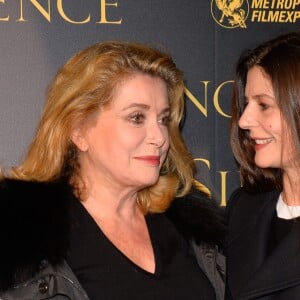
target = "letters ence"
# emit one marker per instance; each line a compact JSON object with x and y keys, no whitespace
{"x":45,"y":9}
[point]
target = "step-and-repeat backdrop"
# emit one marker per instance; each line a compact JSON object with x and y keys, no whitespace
{"x":205,"y":38}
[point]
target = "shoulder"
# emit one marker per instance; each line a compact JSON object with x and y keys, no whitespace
{"x":32,"y":207}
{"x":34,"y":226}
{"x":243,"y":202}
{"x":49,"y":282}
{"x":32,"y":202}
{"x":18,"y":189}
{"x":198,"y":217}
{"x":243,"y":210}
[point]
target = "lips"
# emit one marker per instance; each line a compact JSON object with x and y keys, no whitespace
{"x":261,"y":143}
{"x":151,"y":160}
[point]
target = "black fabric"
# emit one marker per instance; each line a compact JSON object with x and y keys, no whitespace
{"x":105,"y":273}
{"x":198,"y":217}
{"x":34,"y":227}
{"x":279,"y":229}
{"x":252,"y":271}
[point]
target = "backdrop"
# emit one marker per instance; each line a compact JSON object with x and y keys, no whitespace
{"x":205,"y":37}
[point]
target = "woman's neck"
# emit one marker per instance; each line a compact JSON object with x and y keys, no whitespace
{"x":291,"y":188}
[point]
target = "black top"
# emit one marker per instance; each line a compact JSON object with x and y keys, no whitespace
{"x":279,"y":229}
{"x":106,"y":273}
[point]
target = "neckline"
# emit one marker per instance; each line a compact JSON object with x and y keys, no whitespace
{"x":116,"y":249}
{"x":285,"y":211}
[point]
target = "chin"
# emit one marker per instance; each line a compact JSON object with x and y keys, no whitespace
{"x":149,"y":183}
{"x":264,"y":165}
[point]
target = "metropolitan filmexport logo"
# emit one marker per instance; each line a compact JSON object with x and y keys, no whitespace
{"x":230,"y":13}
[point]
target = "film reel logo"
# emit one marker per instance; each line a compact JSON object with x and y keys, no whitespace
{"x":230,"y":13}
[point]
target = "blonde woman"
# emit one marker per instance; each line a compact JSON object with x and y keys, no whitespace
{"x":87,"y":201}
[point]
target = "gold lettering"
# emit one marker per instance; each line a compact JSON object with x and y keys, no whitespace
{"x":289,"y":17}
{"x":273,"y":16}
{"x":21,"y":19}
{"x":202,"y":108}
{"x":206,"y":161}
{"x":266,"y":4}
{"x":263,"y":17}
{"x":288,"y":4}
{"x":103,"y":18}
{"x":46,"y":13}
{"x":199,"y":185}
{"x":283,"y":16}
{"x":297,"y":16}
{"x":257,"y":3}
{"x":5,"y":18}
{"x":216,"y":99}
{"x":65,"y":17}
{"x":223,"y":187}
{"x":223,"y":182}
{"x":296,"y":2}
{"x":255,"y":15}
{"x":280,"y":4}
{"x":273,"y":3}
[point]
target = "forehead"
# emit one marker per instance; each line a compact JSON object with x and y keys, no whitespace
{"x":258,"y":81}
{"x":141,"y":88}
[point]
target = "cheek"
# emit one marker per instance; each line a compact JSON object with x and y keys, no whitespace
{"x":130,"y":138}
{"x":288,"y":143}
{"x":273,"y":124}
{"x":167,"y":143}
{"x":166,"y":146}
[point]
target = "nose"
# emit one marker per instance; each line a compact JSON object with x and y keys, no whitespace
{"x":157,"y":134}
{"x":247,"y":119}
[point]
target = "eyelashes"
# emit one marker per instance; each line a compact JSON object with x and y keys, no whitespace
{"x":165,"y":120}
{"x":139,"y":118}
{"x":264,"y":106}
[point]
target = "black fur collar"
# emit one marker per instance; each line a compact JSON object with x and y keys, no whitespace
{"x":199,"y":217}
{"x":34,"y":226}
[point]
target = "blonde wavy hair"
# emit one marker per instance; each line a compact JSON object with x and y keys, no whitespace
{"x":82,"y":87}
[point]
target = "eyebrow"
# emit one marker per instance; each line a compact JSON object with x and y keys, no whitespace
{"x":260,"y":96}
{"x":139,"y":105}
{"x":144,"y":106}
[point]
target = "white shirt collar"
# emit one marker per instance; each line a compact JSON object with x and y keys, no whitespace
{"x":285,"y":211}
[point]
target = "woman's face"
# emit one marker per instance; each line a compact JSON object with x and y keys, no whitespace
{"x":128,"y":142}
{"x":262,"y":118}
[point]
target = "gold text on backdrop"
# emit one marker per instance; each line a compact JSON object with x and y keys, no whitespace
{"x":236,"y":13}
{"x":202,"y":107}
{"x":105,"y":8}
{"x":223,"y":179}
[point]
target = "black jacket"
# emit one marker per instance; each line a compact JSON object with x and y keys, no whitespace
{"x":34,"y":231}
{"x":201,"y":221}
{"x":252,"y":272}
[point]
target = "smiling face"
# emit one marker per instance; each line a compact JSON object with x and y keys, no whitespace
{"x":262,"y":118}
{"x":128,"y":142}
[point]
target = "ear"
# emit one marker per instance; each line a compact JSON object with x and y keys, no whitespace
{"x":78,"y":138}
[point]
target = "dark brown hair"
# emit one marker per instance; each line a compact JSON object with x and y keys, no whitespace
{"x":280,"y":60}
